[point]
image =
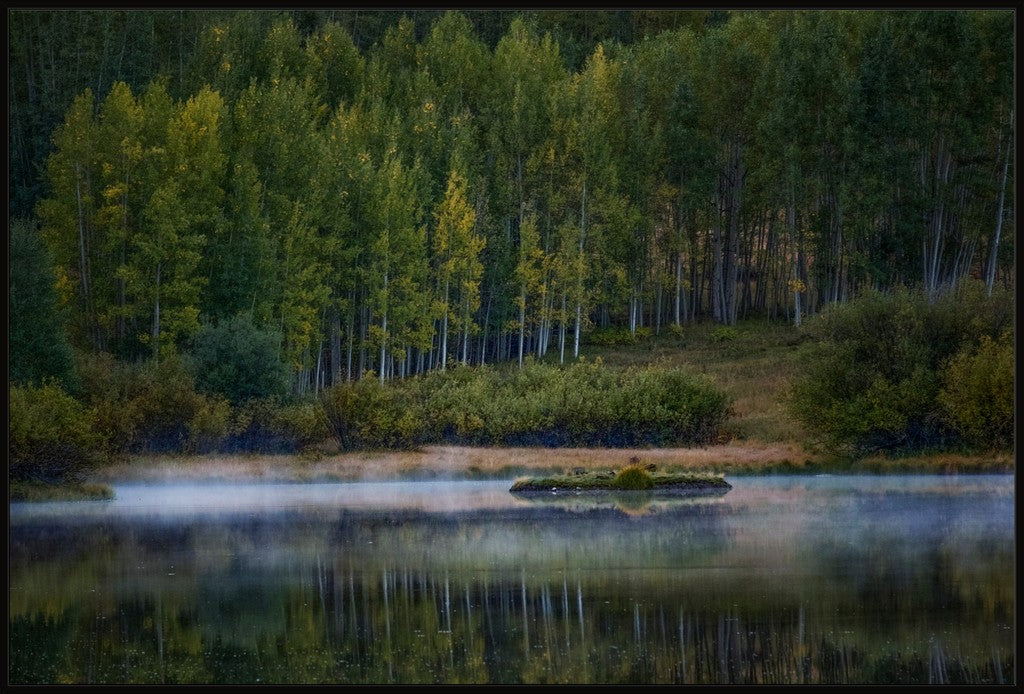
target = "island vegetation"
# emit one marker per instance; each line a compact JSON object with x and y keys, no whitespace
{"x":631,"y":478}
{"x":316,"y":234}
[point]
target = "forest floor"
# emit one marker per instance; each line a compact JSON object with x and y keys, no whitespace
{"x":755,"y":363}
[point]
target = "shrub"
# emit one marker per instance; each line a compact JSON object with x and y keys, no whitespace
{"x":583,"y":404}
{"x":237,"y":359}
{"x":209,"y":425}
{"x":303,"y":423}
{"x":52,"y":435}
{"x":873,"y":380}
{"x":268,"y":425}
{"x":148,"y":406}
{"x":108,"y":387}
{"x":723,"y":333}
{"x":167,"y":402}
{"x":977,"y":393}
{"x":633,"y":478}
{"x":366,"y":414}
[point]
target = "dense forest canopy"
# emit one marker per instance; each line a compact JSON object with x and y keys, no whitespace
{"x":400,"y":191}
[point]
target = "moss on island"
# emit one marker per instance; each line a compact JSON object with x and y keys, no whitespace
{"x":630,"y":478}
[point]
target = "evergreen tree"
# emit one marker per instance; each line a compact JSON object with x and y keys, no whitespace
{"x":38,"y":347}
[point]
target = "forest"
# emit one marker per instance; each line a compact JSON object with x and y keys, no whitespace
{"x":277,"y":203}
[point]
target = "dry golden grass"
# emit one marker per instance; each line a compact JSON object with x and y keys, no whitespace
{"x":945,"y":463}
{"x":448,"y":461}
{"x":756,"y":368}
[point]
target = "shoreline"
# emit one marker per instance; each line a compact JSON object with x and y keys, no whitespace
{"x":465,"y":462}
{"x":439,"y":463}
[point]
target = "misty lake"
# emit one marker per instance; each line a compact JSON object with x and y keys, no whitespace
{"x":828,"y":579}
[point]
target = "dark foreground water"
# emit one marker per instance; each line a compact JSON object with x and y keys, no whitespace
{"x":905,"y":579}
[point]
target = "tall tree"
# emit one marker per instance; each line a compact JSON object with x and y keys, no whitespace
{"x":68,"y":216}
{"x":457,"y":254}
{"x":38,"y":347}
{"x":183,"y":211}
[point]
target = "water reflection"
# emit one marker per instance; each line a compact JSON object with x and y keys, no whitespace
{"x":781,"y":581}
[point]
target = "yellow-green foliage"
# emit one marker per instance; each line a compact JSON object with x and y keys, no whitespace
{"x":149,"y":406}
{"x":51,"y":434}
{"x":873,"y":380}
{"x":724,"y":333}
{"x":366,"y":414}
{"x":616,"y":336}
{"x":633,"y":477}
{"x":583,"y":404}
{"x":268,"y":425}
{"x":977,"y":392}
{"x":209,"y":424}
{"x":303,"y":422}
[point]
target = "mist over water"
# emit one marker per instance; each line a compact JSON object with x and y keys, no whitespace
{"x":782,"y":580}
{"x":220,"y":498}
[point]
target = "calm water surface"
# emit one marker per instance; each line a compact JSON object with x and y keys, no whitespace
{"x":889,"y":579}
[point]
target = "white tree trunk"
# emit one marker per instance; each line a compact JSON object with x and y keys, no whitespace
{"x":576,"y":337}
{"x":791,"y":223}
{"x":384,"y":336}
{"x":522,"y":326}
{"x":444,"y":330}
{"x":465,"y":334}
{"x":155,"y":335}
{"x":679,"y":286}
{"x":990,"y":276}
{"x":561,"y":334}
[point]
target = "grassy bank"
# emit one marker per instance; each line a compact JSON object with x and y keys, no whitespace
{"x":457,"y":462}
{"x":447,"y":462}
{"x":754,"y":363}
{"x":38,"y":491}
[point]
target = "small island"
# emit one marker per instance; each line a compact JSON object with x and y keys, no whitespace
{"x":633,"y":477}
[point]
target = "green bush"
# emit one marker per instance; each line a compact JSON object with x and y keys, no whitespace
{"x":52,"y":435}
{"x":209,"y":425}
{"x":537,"y":405}
{"x":367,"y":414}
{"x":239,"y":360}
{"x":303,"y":423}
{"x":873,"y":379}
{"x":723,"y":333}
{"x":633,"y":478}
{"x":269,"y":425}
{"x":168,"y":402}
{"x":977,"y":393}
{"x":149,"y":406}
{"x":108,"y":387}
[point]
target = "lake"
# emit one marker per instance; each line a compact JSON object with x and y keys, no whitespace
{"x":827,"y":579}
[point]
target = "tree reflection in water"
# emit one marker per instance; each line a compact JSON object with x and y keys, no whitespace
{"x":680,"y":594}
